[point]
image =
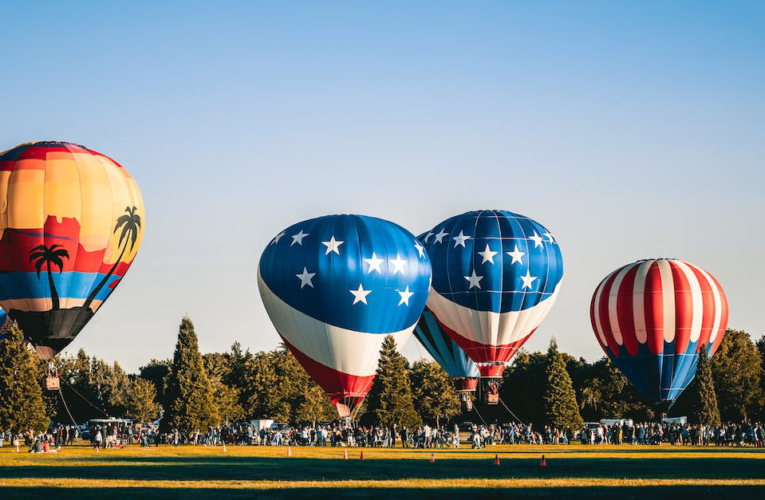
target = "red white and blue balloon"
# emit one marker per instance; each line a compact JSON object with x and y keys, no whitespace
{"x":652,"y":317}
{"x":496,"y":274}
{"x":334,"y":287}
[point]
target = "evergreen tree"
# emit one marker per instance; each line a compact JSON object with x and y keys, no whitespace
{"x":561,"y":408}
{"x":141,"y":401}
{"x":191,"y":405}
{"x":702,"y":393}
{"x":21,"y":403}
{"x":736,"y":371}
{"x":390,"y":399}
{"x":433,"y":392}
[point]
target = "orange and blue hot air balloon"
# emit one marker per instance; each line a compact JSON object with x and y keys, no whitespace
{"x":653,"y":317}
{"x":71,"y":223}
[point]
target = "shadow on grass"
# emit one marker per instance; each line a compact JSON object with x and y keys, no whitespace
{"x":653,"y":492}
{"x":314,"y":469}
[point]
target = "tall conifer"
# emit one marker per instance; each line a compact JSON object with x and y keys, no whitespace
{"x":390,"y":399}
{"x":21,"y":403}
{"x":703,"y":397}
{"x":561,"y":408}
{"x":191,"y":405}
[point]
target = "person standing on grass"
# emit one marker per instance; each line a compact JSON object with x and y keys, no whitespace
{"x":97,"y":440}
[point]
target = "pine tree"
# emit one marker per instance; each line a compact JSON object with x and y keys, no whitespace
{"x":189,"y":393}
{"x":141,"y":401}
{"x":702,"y":393}
{"x":433,"y":392}
{"x":390,"y":399}
{"x":561,"y":408}
{"x":21,"y":403}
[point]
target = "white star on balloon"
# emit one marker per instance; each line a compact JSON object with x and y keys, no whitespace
{"x":517,"y":255}
{"x":305,"y":278}
{"x":527,"y":280}
{"x":488,"y":255}
{"x":460,"y":240}
{"x":298,"y":238}
{"x":474,"y":280}
{"x":440,"y":237}
{"x":536,"y":239}
{"x":277,"y":238}
{"x":550,"y":237}
{"x":333,"y":245}
{"x":420,"y":249}
{"x":398,"y":264}
{"x":427,"y":237}
{"x":360,"y":295}
{"x":405,"y":296}
{"x":374,"y":263}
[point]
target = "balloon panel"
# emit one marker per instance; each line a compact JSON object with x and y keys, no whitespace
{"x":443,"y":349}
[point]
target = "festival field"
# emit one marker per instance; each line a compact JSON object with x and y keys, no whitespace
{"x":571,"y":471}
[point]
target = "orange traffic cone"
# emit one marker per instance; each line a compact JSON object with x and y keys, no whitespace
{"x":496,"y":459}
{"x":289,"y":451}
{"x":432,"y":459}
{"x":362,"y":455}
{"x":345,"y":454}
{"x":543,"y":463}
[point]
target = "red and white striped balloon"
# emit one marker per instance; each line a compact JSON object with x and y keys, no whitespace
{"x":657,"y":301}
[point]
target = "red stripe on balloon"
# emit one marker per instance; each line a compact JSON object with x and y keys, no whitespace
{"x":723,"y":317}
{"x":625,"y":310}
{"x":605,"y":320}
{"x":707,"y":307}
{"x":683,"y":308}
{"x":593,"y":308}
{"x":653,"y":304}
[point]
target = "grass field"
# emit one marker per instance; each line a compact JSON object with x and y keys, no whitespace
{"x":571,"y":471}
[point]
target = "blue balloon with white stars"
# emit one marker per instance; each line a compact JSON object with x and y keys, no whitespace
{"x":351,"y":271}
{"x":494,"y":260}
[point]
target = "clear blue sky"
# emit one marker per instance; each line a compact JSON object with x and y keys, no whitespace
{"x":630,"y":129}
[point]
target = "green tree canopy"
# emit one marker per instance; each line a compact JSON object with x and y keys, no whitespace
{"x":560,"y":405}
{"x":191,"y":405}
{"x":141,"y":405}
{"x":702,"y":393}
{"x":390,"y":399}
{"x":21,"y":403}
{"x":736,"y":372}
{"x":433,"y":392}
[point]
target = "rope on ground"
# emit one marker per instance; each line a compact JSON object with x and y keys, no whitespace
{"x":511,"y":412}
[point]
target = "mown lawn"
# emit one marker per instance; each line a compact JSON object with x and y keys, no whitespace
{"x":572,"y":471}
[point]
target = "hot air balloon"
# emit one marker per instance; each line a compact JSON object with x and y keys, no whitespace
{"x":71,"y":223}
{"x":652,"y":317}
{"x":496,"y":275}
{"x":334,"y":287}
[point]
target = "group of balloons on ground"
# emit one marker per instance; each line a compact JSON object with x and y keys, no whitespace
{"x":473,"y":289}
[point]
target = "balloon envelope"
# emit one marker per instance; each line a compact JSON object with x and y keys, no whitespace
{"x":71,"y":223}
{"x":652,"y":317}
{"x":496,"y":275}
{"x":334,"y":287}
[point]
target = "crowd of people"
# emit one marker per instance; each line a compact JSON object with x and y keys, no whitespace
{"x":117,"y":434}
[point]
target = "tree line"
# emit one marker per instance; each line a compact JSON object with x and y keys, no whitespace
{"x":193,"y":390}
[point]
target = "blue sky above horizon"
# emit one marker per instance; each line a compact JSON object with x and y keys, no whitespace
{"x":629,"y":129}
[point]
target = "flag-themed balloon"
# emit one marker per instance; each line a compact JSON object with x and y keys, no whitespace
{"x":71,"y":223}
{"x":446,"y":352}
{"x":496,"y":274}
{"x":652,"y":317}
{"x":334,"y":287}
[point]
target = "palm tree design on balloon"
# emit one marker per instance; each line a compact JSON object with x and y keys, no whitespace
{"x":52,"y":256}
{"x":131,"y":225}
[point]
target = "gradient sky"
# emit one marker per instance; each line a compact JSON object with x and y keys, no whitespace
{"x":629,"y":129}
